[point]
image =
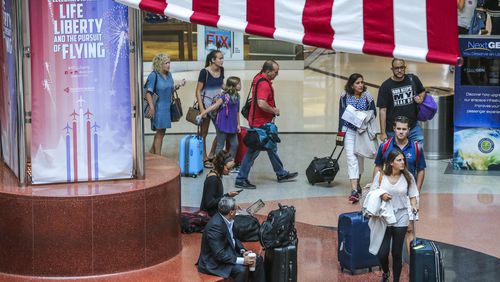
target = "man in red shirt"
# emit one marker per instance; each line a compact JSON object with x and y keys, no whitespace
{"x":264,"y":112}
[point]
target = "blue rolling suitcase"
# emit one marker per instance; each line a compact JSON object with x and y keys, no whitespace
{"x":354,"y":242}
{"x":426,"y":262}
{"x":191,"y":155}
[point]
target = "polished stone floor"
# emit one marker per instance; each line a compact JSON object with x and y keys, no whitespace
{"x":460,"y":211}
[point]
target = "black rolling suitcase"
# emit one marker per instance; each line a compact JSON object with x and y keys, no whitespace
{"x":281,"y":264}
{"x":325,"y":169}
{"x":426,"y":263}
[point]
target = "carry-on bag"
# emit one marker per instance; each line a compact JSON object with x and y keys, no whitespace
{"x":354,"y":243}
{"x":325,"y":169}
{"x":191,"y":155}
{"x":281,"y":264}
{"x":426,"y":262}
{"x":278,"y":230}
{"x":246,"y":228}
{"x":242,"y":148}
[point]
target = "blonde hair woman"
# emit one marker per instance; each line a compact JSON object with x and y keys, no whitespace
{"x":160,"y":81}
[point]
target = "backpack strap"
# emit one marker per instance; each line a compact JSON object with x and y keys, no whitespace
{"x":204,"y":86}
{"x":386,"y":146}
{"x":254,"y":98}
{"x":417,"y":153}
{"x":156,"y":80}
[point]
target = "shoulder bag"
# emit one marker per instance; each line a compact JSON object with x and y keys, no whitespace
{"x":194,"y":111}
{"x":145,"y":107}
{"x":175,"y":107}
{"x":428,"y":108}
{"x":246,"y":228}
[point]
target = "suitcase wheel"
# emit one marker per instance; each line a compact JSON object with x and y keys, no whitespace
{"x":329,"y":182}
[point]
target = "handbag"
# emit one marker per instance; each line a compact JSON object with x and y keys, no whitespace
{"x":245,"y":111}
{"x":427,"y":109}
{"x":192,"y":113}
{"x":175,"y":108}
{"x":145,"y":106}
{"x":246,"y":228}
{"x":194,"y":221}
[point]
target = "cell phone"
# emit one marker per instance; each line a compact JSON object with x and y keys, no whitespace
{"x":239,"y":191}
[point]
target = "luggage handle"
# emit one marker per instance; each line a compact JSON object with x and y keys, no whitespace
{"x":336,"y":144}
{"x":414,"y":242}
{"x":334,"y":149}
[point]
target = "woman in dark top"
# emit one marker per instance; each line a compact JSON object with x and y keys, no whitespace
{"x":213,"y":189}
{"x":210,"y":84}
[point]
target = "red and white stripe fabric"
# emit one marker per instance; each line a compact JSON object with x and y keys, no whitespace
{"x":417,"y":30}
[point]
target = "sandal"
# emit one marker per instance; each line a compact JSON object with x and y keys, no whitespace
{"x":208,"y":164}
{"x":354,"y":197}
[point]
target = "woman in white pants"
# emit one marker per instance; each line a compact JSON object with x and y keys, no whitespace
{"x":354,"y":94}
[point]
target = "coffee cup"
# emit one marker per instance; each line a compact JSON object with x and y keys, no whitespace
{"x":253,"y":256}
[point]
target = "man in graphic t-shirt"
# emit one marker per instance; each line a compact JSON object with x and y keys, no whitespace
{"x":400,"y":95}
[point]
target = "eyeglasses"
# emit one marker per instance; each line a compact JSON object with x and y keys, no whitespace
{"x":399,"y":68}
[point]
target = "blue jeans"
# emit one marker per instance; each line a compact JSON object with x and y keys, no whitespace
{"x":249,"y":159}
{"x":416,"y":134}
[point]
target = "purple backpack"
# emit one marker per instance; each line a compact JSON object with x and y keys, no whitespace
{"x":427,"y":109}
{"x":227,"y":115}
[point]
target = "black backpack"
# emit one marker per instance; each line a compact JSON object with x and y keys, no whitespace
{"x":278,"y":230}
{"x":246,"y":228}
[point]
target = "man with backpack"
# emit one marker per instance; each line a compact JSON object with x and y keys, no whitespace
{"x":414,"y":157}
{"x":262,"y":112}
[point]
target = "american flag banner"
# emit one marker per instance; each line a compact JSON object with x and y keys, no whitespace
{"x":417,"y":30}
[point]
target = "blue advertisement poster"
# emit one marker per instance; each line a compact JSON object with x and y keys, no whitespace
{"x":8,"y":97}
{"x":81,"y":103}
{"x":477,"y":105}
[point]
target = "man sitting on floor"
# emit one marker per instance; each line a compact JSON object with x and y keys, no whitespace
{"x":221,"y":253}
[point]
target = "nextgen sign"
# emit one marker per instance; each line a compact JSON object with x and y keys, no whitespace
{"x":480,"y":47}
{"x":483,"y":45}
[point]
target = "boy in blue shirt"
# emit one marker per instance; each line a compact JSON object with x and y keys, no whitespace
{"x":413,"y":152}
